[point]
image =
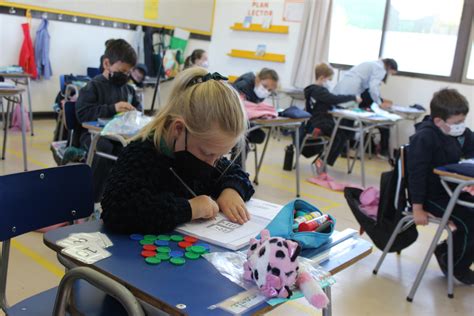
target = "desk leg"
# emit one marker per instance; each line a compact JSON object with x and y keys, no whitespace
{"x":243,"y":152}
{"x":28,"y":82}
{"x":92,"y":148}
{"x":333,"y":136}
{"x":362,"y":153}
{"x":328,"y":310}
{"x":255,"y":180}
{"x":23,"y":134}
{"x":297,"y":154}
{"x":5,"y":129}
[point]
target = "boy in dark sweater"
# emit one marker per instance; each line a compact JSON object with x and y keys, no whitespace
{"x":319,"y":101}
{"x":103,"y":97}
{"x":440,"y":140}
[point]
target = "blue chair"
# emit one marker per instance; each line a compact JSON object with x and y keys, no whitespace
{"x":92,"y":72}
{"x":36,"y":199}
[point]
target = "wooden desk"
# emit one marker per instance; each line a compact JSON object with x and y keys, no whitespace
{"x":188,"y":289}
{"x":9,"y":95}
{"x":277,"y":122}
{"x":23,"y":79}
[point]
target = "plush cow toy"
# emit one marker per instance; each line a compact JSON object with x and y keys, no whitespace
{"x":272,"y":264}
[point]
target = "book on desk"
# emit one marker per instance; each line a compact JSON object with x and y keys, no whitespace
{"x":222,"y":232}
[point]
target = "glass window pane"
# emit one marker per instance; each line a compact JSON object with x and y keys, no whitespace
{"x":470,"y":68}
{"x":421,"y":35}
{"x":356,"y":31}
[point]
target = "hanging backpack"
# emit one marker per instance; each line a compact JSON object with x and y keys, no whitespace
{"x":388,"y":216}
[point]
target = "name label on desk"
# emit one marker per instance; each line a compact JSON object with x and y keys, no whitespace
{"x":242,"y":302}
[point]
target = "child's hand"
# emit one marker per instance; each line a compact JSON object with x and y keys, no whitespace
{"x":203,"y":206}
{"x":232,"y":205}
{"x":123,"y":107}
{"x":421,"y":217}
{"x":358,"y":99}
{"x":469,"y":189}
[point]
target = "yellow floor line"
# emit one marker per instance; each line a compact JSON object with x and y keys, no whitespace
{"x":19,"y":154}
{"x":37,"y":258}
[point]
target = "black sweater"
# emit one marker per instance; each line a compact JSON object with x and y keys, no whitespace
{"x":431,"y":148}
{"x":143,"y":196}
{"x":319,"y":100}
{"x":97,"y":99}
{"x":245,"y":85}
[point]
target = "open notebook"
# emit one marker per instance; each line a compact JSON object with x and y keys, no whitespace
{"x":224,"y":233}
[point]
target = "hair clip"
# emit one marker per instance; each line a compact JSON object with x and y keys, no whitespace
{"x":209,"y":76}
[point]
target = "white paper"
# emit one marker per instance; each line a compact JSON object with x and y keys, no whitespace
{"x":293,"y":11}
{"x":88,"y":252}
{"x":405,"y":109}
{"x":242,"y":302}
{"x":220,"y":231}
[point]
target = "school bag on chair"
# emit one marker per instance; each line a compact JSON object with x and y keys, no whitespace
{"x":388,"y":215}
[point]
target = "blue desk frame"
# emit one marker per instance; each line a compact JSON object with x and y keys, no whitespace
{"x":197,"y":284}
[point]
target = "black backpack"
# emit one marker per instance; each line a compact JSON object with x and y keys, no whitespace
{"x":388,"y":216}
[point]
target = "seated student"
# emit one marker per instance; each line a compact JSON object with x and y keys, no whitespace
{"x":137,"y":78}
{"x":174,"y":172}
{"x":319,"y":101}
{"x":104,"y":96}
{"x":443,"y":139}
{"x":256,"y":88}
{"x":197,"y":58}
{"x":138,"y":74}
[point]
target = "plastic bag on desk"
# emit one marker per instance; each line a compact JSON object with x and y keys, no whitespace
{"x":127,"y":124}
{"x":231,"y":265}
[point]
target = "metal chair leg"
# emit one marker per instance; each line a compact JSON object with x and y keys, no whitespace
{"x":394,"y":235}
{"x":450,"y":263}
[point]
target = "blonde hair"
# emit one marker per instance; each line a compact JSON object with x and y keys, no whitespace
{"x":323,"y":70}
{"x":202,"y":105}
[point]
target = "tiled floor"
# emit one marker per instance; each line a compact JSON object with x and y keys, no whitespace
{"x":34,"y":267}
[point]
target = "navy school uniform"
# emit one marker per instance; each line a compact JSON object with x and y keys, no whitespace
{"x":431,"y":148}
{"x":97,"y":100}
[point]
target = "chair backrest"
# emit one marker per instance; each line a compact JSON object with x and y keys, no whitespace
{"x":92,"y":72}
{"x":70,"y":118}
{"x":40,"y":198}
{"x":402,"y":193}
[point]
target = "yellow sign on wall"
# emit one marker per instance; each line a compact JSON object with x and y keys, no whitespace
{"x":151,"y":9}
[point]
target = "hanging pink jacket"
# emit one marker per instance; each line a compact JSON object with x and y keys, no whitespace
{"x":27,"y":53}
{"x":260,"y":110}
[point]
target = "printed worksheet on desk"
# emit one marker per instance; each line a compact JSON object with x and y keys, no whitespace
{"x":222,"y":232}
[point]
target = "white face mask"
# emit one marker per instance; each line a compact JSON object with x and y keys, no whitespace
{"x":456,"y":129}
{"x":205,"y":64}
{"x":261,"y":92}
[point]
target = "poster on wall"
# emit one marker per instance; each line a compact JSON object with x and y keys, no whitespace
{"x":293,"y":10}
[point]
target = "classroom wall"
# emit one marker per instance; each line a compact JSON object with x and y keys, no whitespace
{"x":224,"y":39}
{"x":74,"y":47}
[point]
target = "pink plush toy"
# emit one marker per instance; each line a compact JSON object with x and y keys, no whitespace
{"x":272,"y":264}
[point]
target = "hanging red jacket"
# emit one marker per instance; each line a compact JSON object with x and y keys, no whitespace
{"x":27,"y":53}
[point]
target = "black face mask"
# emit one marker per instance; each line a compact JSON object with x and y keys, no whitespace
{"x":118,"y":78}
{"x":191,"y":167}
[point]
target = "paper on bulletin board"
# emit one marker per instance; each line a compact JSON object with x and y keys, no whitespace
{"x":293,"y":10}
{"x":151,"y":9}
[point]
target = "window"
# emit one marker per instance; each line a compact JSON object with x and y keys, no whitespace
{"x":469,"y":76}
{"x":356,"y":31}
{"x":422,"y":35}
{"x":428,"y":38}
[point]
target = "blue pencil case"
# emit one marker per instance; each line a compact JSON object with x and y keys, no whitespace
{"x":282,"y":225}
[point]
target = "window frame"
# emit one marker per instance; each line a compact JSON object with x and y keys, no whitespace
{"x":462,"y":50}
